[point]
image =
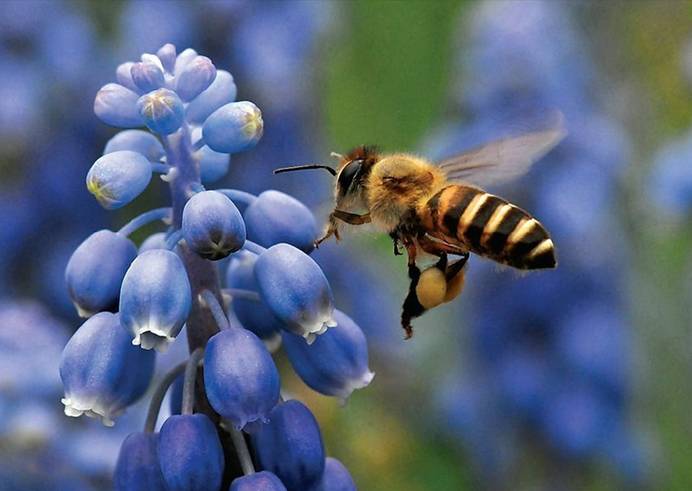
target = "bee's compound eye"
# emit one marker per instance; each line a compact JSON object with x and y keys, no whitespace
{"x":348,"y":174}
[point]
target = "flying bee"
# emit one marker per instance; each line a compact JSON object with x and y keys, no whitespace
{"x":442,"y":209}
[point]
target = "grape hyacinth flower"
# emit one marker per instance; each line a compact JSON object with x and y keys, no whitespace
{"x":194,"y":124}
{"x":155,"y":298}
{"x":308,"y":310}
{"x":336,"y":363}
{"x":253,"y":315}
{"x":138,"y":468}
{"x":290,"y":445}
{"x":240,"y":378}
{"x":261,"y":481}
{"x":335,"y":477}
{"x":101,"y":371}
{"x":96,"y":270}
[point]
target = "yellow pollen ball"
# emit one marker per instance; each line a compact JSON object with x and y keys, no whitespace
{"x":431,"y":288}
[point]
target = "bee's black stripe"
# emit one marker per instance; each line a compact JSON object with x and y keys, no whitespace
{"x":544,"y":259}
{"x":459,"y":202}
{"x":473,"y":232}
{"x":529,"y":241}
{"x":496,"y":241}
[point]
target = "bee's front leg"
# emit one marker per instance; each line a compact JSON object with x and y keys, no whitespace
{"x":332,"y":229}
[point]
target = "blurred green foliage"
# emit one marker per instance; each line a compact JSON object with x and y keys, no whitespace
{"x":387,"y":82}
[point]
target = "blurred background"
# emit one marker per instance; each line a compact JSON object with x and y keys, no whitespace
{"x":576,"y":378}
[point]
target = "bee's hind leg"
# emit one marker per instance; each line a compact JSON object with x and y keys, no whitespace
{"x":411,"y":307}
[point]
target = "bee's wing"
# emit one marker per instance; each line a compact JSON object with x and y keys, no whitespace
{"x":503,"y":160}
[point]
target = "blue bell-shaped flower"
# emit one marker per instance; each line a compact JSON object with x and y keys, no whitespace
{"x":190,"y":453}
{"x":276,"y":217}
{"x":101,"y":371}
{"x":253,"y":315}
{"x":260,"y":481}
{"x":212,"y":225}
{"x":96,"y":269}
{"x":137,"y":468}
{"x":295,"y":289}
{"x":155,"y":298}
{"x":335,"y":478}
{"x":290,"y":446}
{"x":118,"y":177}
{"x":336,"y":363}
{"x":240,"y":377}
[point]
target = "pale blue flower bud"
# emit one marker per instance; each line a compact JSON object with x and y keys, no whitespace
{"x":234,"y":127}
{"x":212,"y":165}
{"x":96,"y":269}
{"x":167,"y":56}
{"x":336,"y":363}
{"x":253,"y":315}
{"x":161,"y":110}
{"x":123,"y":75}
{"x":116,"y":105}
{"x":221,"y":91}
{"x":212,"y":225}
{"x":118,"y":177}
{"x":183,"y":59}
{"x":294,"y":287}
{"x":147,"y":76}
{"x":276,"y":217}
{"x":240,"y":377}
{"x":155,"y":299}
{"x":101,"y":371}
{"x":154,"y":241}
{"x":195,"y":78}
{"x":137,"y":141}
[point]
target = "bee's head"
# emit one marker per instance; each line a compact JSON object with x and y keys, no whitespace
{"x":354,"y":170}
{"x":351,"y":173}
{"x":349,"y":177}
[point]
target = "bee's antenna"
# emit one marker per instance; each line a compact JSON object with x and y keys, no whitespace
{"x":331,"y":170}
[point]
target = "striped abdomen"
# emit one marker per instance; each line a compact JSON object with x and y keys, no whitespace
{"x":489,"y":226}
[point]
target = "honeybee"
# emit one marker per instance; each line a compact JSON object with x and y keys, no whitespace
{"x":442,"y":209}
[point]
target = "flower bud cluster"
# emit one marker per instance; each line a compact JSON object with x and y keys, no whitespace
{"x":136,"y":300}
